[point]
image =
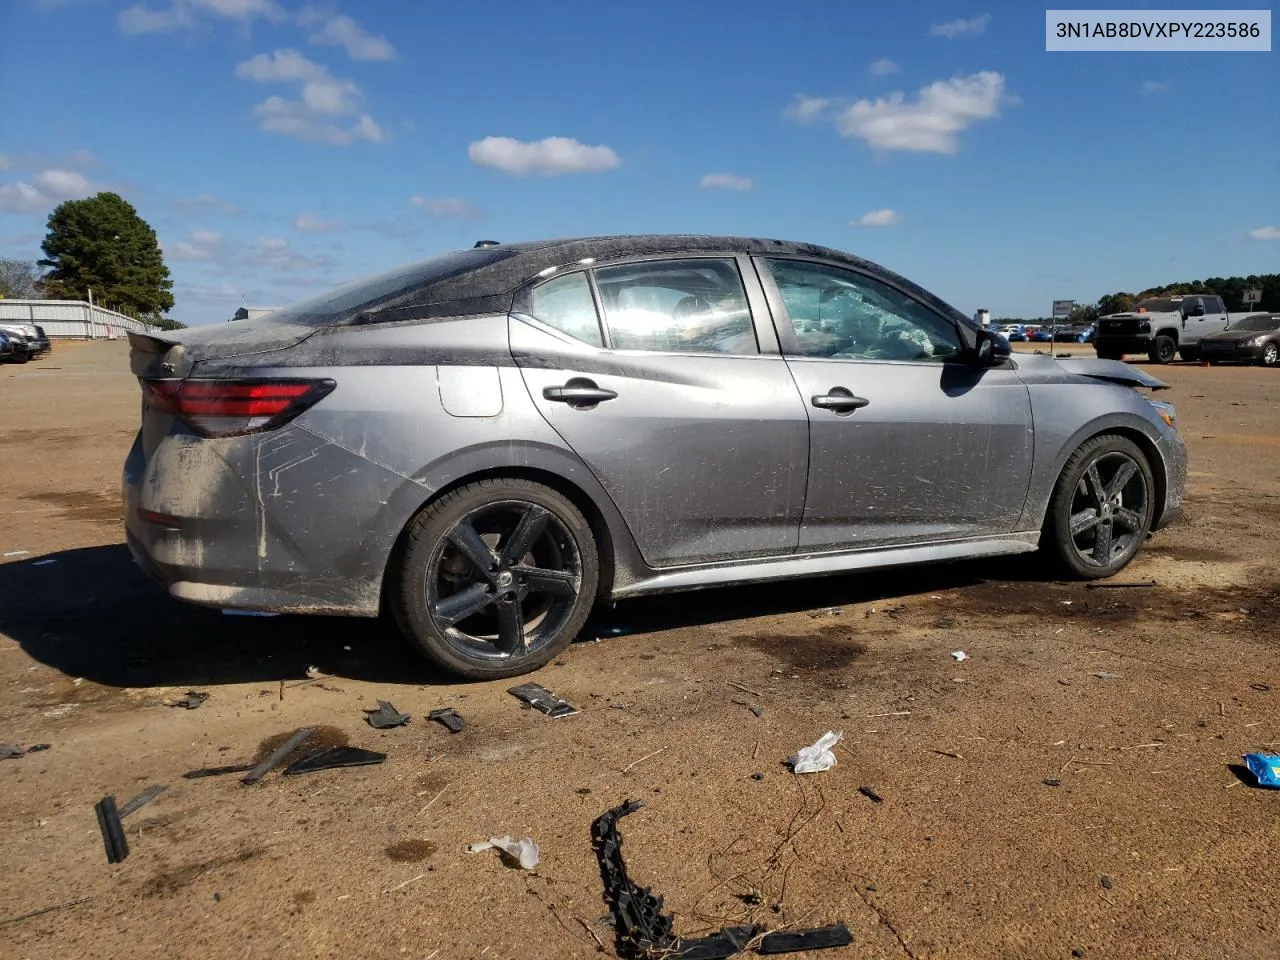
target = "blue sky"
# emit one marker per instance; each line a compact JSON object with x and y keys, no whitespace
{"x":279,"y":146}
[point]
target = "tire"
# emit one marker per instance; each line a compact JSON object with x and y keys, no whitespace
{"x":1110,"y":355}
{"x":1189,"y":354}
{"x":1162,"y":350}
{"x":1124,"y":512}
{"x":508,"y":616}
{"x":1270,"y":355}
{"x":21,"y":357}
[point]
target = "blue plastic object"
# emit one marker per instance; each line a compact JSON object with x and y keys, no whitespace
{"x":1266,"y":767}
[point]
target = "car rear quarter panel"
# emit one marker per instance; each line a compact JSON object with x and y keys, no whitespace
{"x":427,"y":405}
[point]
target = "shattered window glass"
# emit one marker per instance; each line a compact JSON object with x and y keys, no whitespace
{"x":677,"y":306}
{"x":847,"y":316}
{"x":565,"y":303}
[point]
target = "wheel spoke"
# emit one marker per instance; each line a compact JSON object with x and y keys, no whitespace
{"x":469,"y":544}
{"x":532,"y":523}
{"x":1097,"y":489}
{"x":458,"y":606}
{"x":1129,"y":519}
{"x":511,"y":638}
{"x":1122,"y":477}
{"x":557,"y":583}
{"x":1086,"y":519}
{"x":1102,"y":546}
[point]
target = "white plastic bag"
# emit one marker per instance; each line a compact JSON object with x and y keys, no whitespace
{"x":818,"y":757}
{"x":526,"y":851}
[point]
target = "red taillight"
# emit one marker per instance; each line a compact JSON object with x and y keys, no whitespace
{"x":224,"y":408}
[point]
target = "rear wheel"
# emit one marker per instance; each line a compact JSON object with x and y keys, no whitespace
{"x":1110,"y":355}
{"x":1162,"y":350}
{"x":1102,"y":508}
{"x":1270,"y":355}
{"x":496,"y":578}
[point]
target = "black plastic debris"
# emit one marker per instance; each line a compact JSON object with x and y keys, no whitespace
{"x":113,"y":837}
{"x":793,"y":941}
{"x":217,"y":771}
{"x":643,"y":932}
{"x":192,"y":700}
{"x":870,"y":794}
{"x":449,"y":717}
{"x":142,"y":799}
{"x":540,"y":698}
{"x":38,"y":747}
{"x":277,"y":756}
{"x":386,"y":716}
{"x":10,"y":753}
{"x":329,"y":758}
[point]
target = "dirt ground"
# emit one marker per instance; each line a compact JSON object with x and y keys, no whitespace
{"x":1139,"y":701}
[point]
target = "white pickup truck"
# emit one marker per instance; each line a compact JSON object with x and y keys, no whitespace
{"x":1161,"y":327}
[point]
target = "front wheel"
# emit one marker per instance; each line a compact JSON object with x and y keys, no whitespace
{"x":1162,"y":350}
{"x":1189,"y":354}
{"x":1110,"y":355}
{"x":496,"y":578}
{"x":1270,"y":355}
{"x":1101,"y":509}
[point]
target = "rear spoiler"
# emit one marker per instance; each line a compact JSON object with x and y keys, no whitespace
{"x":157,"y":355}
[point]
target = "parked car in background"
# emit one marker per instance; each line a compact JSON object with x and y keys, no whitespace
{"x":1017,"y":334}
{"x":1041,"y":335}
{"x":13,"y":348}
{"x":31,"y":334}
{"x":1255,"y":339}
{"x":1086,"y":335}
{"x":486,"y":444}
{"x":1161,"y":327}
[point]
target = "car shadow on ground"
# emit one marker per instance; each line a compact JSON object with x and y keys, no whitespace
{"x":91,"y":613}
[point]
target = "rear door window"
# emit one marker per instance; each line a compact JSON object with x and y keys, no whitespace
{"x":677,"y":306}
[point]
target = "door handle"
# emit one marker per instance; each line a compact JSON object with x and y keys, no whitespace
{"x":578,"y":392}
{"x":839,"y":400}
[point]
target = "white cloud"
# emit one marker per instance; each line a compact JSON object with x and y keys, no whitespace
{"x":548,"y":157}
{"x":805,"y":109}
{"x":1265,"y":233}
{"x":344,"y":32}
{"x":275,"y":253}
{"x":724,"y":181}
{"x":49,"y":187}
{"x":1152,"y":87}
{"x":958,"y":28}
{"x":882,"y":68}
{"x":329,"y":110}
{"x":281,"y":66}
{"x":933,"y":121}
{"x":449,"y":208}
{"x":879,"y":218}
{"x":199,"y":246}
{"x":5,"y":162}
{"x":314,"y":223}
{"x":187,"y":14}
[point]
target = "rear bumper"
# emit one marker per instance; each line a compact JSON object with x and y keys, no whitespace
{"x":282,"y":522}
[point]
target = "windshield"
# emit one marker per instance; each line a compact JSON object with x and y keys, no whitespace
{"x":1158,"y":305}
{"x":368,"y":293}
{"x":1261,"y":322}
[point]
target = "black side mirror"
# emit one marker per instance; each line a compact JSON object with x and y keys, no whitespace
{"x":990,"y":350}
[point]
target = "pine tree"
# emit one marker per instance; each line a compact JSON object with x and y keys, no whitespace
{"x":102,"y":244}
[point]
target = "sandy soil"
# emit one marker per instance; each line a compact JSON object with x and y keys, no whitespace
{"x":1150,"y":846}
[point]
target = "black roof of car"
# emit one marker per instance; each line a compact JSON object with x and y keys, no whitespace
{"x":483,"y":279}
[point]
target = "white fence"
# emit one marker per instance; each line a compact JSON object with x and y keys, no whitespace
{"x":71,"y":318}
